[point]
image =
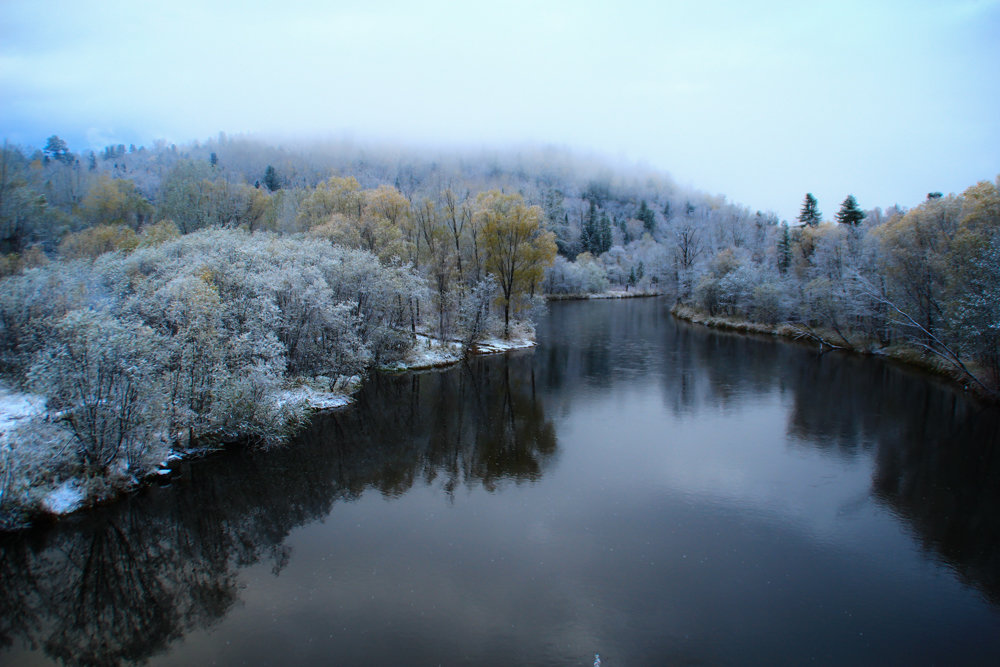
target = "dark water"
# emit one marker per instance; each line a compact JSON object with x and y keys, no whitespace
{"x":635,"y":487}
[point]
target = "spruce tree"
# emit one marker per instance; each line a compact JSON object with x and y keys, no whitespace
{"x":645,"y":215}
{"x":271,"y":180}
{"x":588,"y":231}
{"x":784,"y":249}
{"x":850,"y":213}
{"x":810,"y":215}
{"x":604,"y":235}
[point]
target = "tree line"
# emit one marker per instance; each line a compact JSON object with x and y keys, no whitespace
{"x":151,"y":325}
{"x":221,"y":273}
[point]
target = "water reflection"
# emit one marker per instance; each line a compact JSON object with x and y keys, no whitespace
{"x":936,"y":454}
{"x":119,"y":584}
{"x":942,"y":475}
{"x":122,"y":584}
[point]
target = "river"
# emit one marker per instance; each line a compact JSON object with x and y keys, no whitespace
{"x":635,"y":487}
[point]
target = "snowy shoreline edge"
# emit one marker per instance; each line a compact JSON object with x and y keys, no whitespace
{"x":73,"y":494}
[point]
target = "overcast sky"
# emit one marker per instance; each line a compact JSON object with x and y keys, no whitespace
{"x":759,"y":101}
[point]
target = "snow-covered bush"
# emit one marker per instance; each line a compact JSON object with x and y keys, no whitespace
{"x":197,"y":335}
{"x":102,"y":377}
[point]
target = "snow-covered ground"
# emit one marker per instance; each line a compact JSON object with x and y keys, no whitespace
{"x":17,"y":408}
{"x":429,"y":352}
{"x":494,"y":345}
{"x":435,"y":353}
{"x":64,"y":499}
{"x":315,"y":399}
{"x":622,"y":294}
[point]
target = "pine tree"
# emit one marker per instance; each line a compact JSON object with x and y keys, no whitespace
{"x":56,"y":149}
{"x":810,"y":215}
{"x":784,"y":249}
{"x":645,"y":215}
{"x":604,"y":235}
{"x":850,"y":213}
{"x":589,"y":237}
{"x":271,"y":180}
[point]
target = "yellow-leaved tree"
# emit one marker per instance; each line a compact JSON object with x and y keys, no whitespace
{"x":517,"y":249}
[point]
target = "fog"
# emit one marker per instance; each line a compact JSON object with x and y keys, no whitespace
{"x":759,"y":101}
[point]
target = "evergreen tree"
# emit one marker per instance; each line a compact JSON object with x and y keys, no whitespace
{"x":213,"y":159}
{"x":810,"y":215}
{"x":604,"y":235}
{"x":588,"y":231}
{"x":585,"y":240}
{"x":271,"y":180}
{"x":849,"y":213}
{"x":645,"y":215}
{"x":784,"y":249}
{"x":56,"y":149}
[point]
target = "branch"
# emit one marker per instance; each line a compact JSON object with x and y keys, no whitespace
{"x":941,"y":350}
{"x":805,"y":331}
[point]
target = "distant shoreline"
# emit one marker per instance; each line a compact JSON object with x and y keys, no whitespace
{"x":612,"y":294}
{"x":908,"y":356}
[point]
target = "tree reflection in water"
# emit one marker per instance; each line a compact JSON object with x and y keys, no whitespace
{"x":119,"y":584}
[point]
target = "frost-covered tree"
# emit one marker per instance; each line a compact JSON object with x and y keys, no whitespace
{"x":100,"y":377}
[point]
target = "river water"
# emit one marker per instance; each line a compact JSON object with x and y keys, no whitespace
{"x":636,"y":487}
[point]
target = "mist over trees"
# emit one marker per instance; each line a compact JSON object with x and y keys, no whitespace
{"x":158,"y":296}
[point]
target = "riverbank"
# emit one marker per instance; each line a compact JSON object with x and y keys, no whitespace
{"x":429,"y":352}
{"x":63,"y":490}
{"x":610,"y":294}
{"x":828,"y":340}
{"x":40,"y":479}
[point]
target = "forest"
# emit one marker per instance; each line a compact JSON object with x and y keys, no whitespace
{"x":156,"y":299}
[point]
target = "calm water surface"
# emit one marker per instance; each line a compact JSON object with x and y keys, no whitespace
{"x":635,"y":487}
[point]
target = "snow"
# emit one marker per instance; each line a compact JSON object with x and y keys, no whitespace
{"x":621,"y":294}
{"x":429,"y":352}
{"x":17,"y":407}
{"x":436,"y":353}
{"x":314,"y":398}
{"x":65,"y":498}
{"x":494,"y":345}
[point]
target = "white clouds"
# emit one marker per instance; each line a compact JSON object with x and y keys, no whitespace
{"x":761,"y":101}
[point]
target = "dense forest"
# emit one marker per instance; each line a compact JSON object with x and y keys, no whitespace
{"x":157,"y":297}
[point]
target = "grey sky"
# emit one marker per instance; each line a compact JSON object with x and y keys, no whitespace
{"x":759,"y":101}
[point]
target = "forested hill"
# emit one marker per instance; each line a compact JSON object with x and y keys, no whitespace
{"x":860,"y":278}
{"x":152,"y":299}
{"x":234,"y":182}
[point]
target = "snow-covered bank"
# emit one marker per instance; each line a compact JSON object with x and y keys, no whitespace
{"x":495,"y":345}
{"x":313,"y":398}
{"x":17,"y":408}
{"x":429,"y":352}
{"x":610,"y":294}
{"x":42,"y":474}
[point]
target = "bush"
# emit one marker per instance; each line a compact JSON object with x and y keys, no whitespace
{"x":101,"y":377}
